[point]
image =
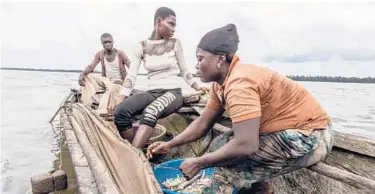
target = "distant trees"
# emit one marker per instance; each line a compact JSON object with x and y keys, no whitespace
{"x":332,"y":79}
{"x":293,"y":77}
{"x":328,"y":79}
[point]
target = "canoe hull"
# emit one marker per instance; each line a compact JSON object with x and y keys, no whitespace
{"x":357,"y":158}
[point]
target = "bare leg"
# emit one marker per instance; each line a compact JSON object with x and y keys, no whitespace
{"x":160,"y":108}
{"x":142,"y":136}
{"x":128,"y":135}
{"x":124,"y":112}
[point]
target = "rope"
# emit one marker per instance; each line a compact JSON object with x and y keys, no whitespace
{"x":64,"y":104}
{"x":61,"y":106}
{"x":60,"y":163}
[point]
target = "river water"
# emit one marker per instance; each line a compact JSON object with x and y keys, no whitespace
{"x":29,"y":145}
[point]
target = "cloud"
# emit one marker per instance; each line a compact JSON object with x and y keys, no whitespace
{"x":66,"y":34}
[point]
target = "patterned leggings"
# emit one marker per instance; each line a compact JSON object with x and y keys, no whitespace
{"x":153,"y":104}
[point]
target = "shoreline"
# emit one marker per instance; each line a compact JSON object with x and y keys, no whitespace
{"x":329,"y":79}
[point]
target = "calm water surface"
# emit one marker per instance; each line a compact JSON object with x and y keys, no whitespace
{"x":29,"y":145}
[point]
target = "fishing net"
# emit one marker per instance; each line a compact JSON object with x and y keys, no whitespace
{"x":118,"y":167}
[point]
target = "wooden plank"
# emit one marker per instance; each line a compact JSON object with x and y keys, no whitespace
{"x":343,"y":176}
{"x":103,"y":180}
{"x":355,"y":143}
{"x":306,"y":181}
{"x":358,"y":164}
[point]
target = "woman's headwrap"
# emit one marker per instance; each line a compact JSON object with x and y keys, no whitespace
{"x":222,"y":40}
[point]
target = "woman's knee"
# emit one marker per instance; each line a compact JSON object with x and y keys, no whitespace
{"x":149,"y":117}
{"x":328,"y":136}
{"x":114,"y":88}
{"x":220,"y":141}
{"x":167,"y":104}
{"x":122,"y":116}
{"x":179,"y":99}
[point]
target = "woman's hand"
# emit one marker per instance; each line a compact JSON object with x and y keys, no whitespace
{"x":204,"y":89}
{"x":196,"y":87}
{"x":190,"y":167}
{"x":159,"y":147}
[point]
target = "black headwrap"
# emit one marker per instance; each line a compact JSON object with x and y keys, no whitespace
{"x":223,"y":40}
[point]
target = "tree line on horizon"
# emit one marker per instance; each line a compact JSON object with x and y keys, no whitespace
{"x":318,"y":78}
{"x":332,"y":79}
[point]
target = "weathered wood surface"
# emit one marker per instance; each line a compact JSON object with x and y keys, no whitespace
{"x":306,"y":181}
{"x":318,"y":179}
{"x":175,"y":124}
{"x":75,"y":165}
{"x":343,"y":176}
{"x":352,"y":162}
{"x":355,"y":143}
{"x":104,"y":182}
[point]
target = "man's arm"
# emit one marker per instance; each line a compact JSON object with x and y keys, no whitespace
{"x":90,"y":68}
{"x":198,"y":127}
{"x":245,"y":142}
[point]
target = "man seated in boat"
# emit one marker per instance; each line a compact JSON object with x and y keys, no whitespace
{"x":163,"y":59}
{"x":277,"y":125}
{"x":113,"y":62}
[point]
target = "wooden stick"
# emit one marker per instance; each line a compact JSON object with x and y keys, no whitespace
{"x":217,"y":126}
{"x":221,"y":128}
{"x":185,"y":110}
{"x":194,"y":94}
{"x":343,"y":176}
{"x":191,"y":100}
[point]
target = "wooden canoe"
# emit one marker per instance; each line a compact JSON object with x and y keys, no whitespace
{"x":349,"y":168}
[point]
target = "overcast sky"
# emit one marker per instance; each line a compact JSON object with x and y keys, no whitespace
{"x":293,"y":38}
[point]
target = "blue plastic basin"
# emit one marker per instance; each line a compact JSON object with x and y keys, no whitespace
{"x":162,"y":173}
